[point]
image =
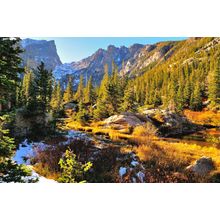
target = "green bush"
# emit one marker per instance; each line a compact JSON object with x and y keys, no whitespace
{"x":72,"y":170}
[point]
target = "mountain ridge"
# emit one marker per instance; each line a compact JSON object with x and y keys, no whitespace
{"x":131,"y":61}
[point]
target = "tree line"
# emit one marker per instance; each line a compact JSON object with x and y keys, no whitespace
{"x":175,"y":88}
{"x":182,"y":82}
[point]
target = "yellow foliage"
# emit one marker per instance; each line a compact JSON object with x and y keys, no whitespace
{"x":144,"y":152}
{"x":114,"y":135}
{"x":203,"y":117}
{"x":190,"y":152}
{"x":158,"y":117}
{"x":145,"y":130}
{"x":150,"y":146}
{"x":144,"y":134}
{"x":45,"y":171}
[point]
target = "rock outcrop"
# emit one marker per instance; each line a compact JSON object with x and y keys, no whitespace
{"x":122,"y":121}
{"x":170,"y":123}
{"x":202,"y":166}
{"x":28,"y":124}
{"x":167,"y":123}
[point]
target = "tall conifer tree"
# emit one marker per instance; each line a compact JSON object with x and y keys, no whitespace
{"x":43,"y":81}
{"x":214,"y":85}
{"x":79,"y":93}
{"x":128,"y":104}
{"x":89,"y":96}
{"x":68,"y":93}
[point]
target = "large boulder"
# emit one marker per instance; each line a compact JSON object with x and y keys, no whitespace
{"x":202,"y":166}
{"x":123,"y":120}
{"x":170,"y":123}
{"x":175,"y":124}
{"x":31,"y":123}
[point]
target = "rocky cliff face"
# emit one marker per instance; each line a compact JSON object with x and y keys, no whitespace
{"x":36,"y":51}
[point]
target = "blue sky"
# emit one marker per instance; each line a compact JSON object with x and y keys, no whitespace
{"x":76,"y":48}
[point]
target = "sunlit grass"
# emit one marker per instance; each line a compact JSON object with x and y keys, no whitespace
{"x":44,"y":170}
{"x":203,"y":117}
{"x":96,"y":129}
{"x":147,"y":145}
{"x":190,"y":152}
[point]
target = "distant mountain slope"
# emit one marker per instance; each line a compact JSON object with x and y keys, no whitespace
{"x":94,"y":64}
{"x":40,"y":50}
{"x":192,"y":50}
{"x":148,"y":56}
{"x":131,"y":61}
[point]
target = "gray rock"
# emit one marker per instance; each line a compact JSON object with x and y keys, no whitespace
{"x":202,"y":166}
{"x":171,"y":123}
{"x":123,"y":120}
{"x":25,"y":122}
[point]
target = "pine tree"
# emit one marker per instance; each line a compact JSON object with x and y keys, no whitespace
{"x":18,"y":96}
{"x":79,"y":96}
{"x":172,"y":95}
{"x":9,"y":78}
{"x":101,"y":110}
{"x":186,"y":92}
{"x":196,"y":98}
{"x":10,"y":69}
{"x":156,"y":98}
{"x":214,"y":86}
{"x":7,"y":145}
{"x":68,"y":93}
{"x":72,"y":170}
{"x":115,"y":78}
{"x":43,"y":81}
{"x":28,"y":89}
{"x":53,"y":101}
{"x":9,"y":170}
{"x":110,"y":98}
{"x":180,"y":95}
{"x":82,"y":115}
{"x":114,"y":89}
{"x":180,"y":99}
{"x":59,"y":96}
{"x":147,"y":94}
{"x":56,"y":99}
{"x":89,"y":92}
{"x":128,"y":104}
{"x":104,"y":84}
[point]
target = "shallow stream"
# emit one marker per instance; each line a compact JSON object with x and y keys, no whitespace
{"x":208,"y":138}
